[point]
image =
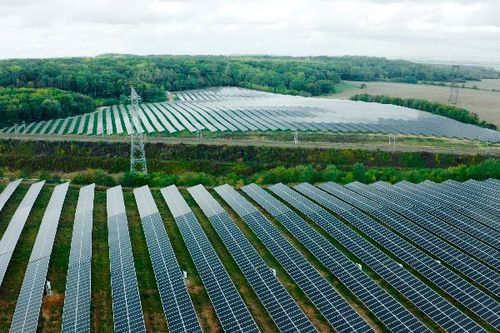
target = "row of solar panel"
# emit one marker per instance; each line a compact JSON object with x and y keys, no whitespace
{"x":380,"y":212}
{"x":215,"y":110}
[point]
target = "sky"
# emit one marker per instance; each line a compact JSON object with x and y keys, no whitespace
{"x":410,"y":29}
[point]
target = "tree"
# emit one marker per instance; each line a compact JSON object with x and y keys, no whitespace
{"x":359,"y":172}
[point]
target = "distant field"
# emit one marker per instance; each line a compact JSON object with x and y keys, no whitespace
{"x":485,"y":103}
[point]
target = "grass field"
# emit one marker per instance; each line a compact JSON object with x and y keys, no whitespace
{"x":51,"y":315}
{"x":485,"y":103}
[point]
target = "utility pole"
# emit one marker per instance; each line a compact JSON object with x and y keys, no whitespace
{"x":137,"y":137}
{"x":455,"y":78}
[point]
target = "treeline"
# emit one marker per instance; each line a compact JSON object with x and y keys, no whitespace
{"x":107,"y":164}
{"x":444,"y":110}
{"x":229,"y":162}
{"x":108,"y":78}
{"x":489,"y":168}
{"x":29,"y":104}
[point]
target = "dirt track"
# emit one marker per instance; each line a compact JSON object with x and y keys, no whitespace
{"x":400,"y":146}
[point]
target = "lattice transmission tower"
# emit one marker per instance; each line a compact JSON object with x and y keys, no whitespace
{"x":137,"y":137}
{"x":455,"y":79}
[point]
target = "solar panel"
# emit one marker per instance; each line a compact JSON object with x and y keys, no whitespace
{"x":228,"y":304}
{"x":467,"y":294}
{"x":54,"y":126}
{"x":15,"y":227}
{"x":30,"y":299}
{"x":117,"y":120}
{"x":90,"y":123}
{"x":232,"y":109}
{"x":76,"y":310}
{"x":166,"y":110}
{"x":127,"y":309}
{"x":467,"y":221}
{"x":409,"y":227}
{"x":197,"y":116}
{"x":135,"y":121}
{"x":454,"y":235}
{"x":7,"y":192}
{"x":126,"y":119}
{"x":36,"y":127}
{"x":285,"y":313}
{"x":81,"y":125}
{"x":61,"y":129}
{"x":480,"y":205}
{"x":213,"y":118}
{"x":325,"y":298}
{"x":72,"y":125}
{"x":100,"y":127}
{"x":177,"y":306}
{"x":109,"y":121}
{"x":421,"y":295}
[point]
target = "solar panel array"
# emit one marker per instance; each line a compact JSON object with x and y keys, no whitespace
{"x":380,"y":303}
{"x":433,"y":244}
{"x":76,"y":310}
{"x":16,"y":226}
{"x":177,"y":306}
{"x":30,"y":298}
{"x":334,"y":308}
{"x":421,"y":295}
{"x":237,"y":109}
{"x":405,"y":225}
{"x":285,"y":313}
{"x":435,"y":220}
{"x":228,"y":304}
{"x":471,"y":297}
{"x":127,"y":309}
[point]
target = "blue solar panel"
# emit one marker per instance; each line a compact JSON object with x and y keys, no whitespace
{"x":408,"y":227}
{"x":15,"y":227}
{"x":229,"y":306}
{"x":467,"y":294}
{"x":7,"y":192}
{"x":326,"y":299}
{"x":127,"y":309}
{"x":30,"y":299}
{"x":464,"y":218}
{"x":421,"y":295}
{"x":177,"y":306}
{"x":76,"y":311}
{"x":285,"y":313}
{"x":439,"y":226}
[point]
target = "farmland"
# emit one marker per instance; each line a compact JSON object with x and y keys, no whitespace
{"x":483,"y":101}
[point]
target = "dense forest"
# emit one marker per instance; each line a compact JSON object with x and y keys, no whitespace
{"x":110,"y":76}
{"x":448,"y":111}
{"x":29,"y":104}
{"x":106,"y":79}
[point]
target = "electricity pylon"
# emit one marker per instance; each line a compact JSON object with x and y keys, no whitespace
{"x":453,"y":97}
{"x":137,"y":137}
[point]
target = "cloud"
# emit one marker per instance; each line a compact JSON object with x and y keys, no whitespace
{"x":404,"y":28}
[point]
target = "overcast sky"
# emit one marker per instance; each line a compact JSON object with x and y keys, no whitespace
{"x":468,"y":29}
